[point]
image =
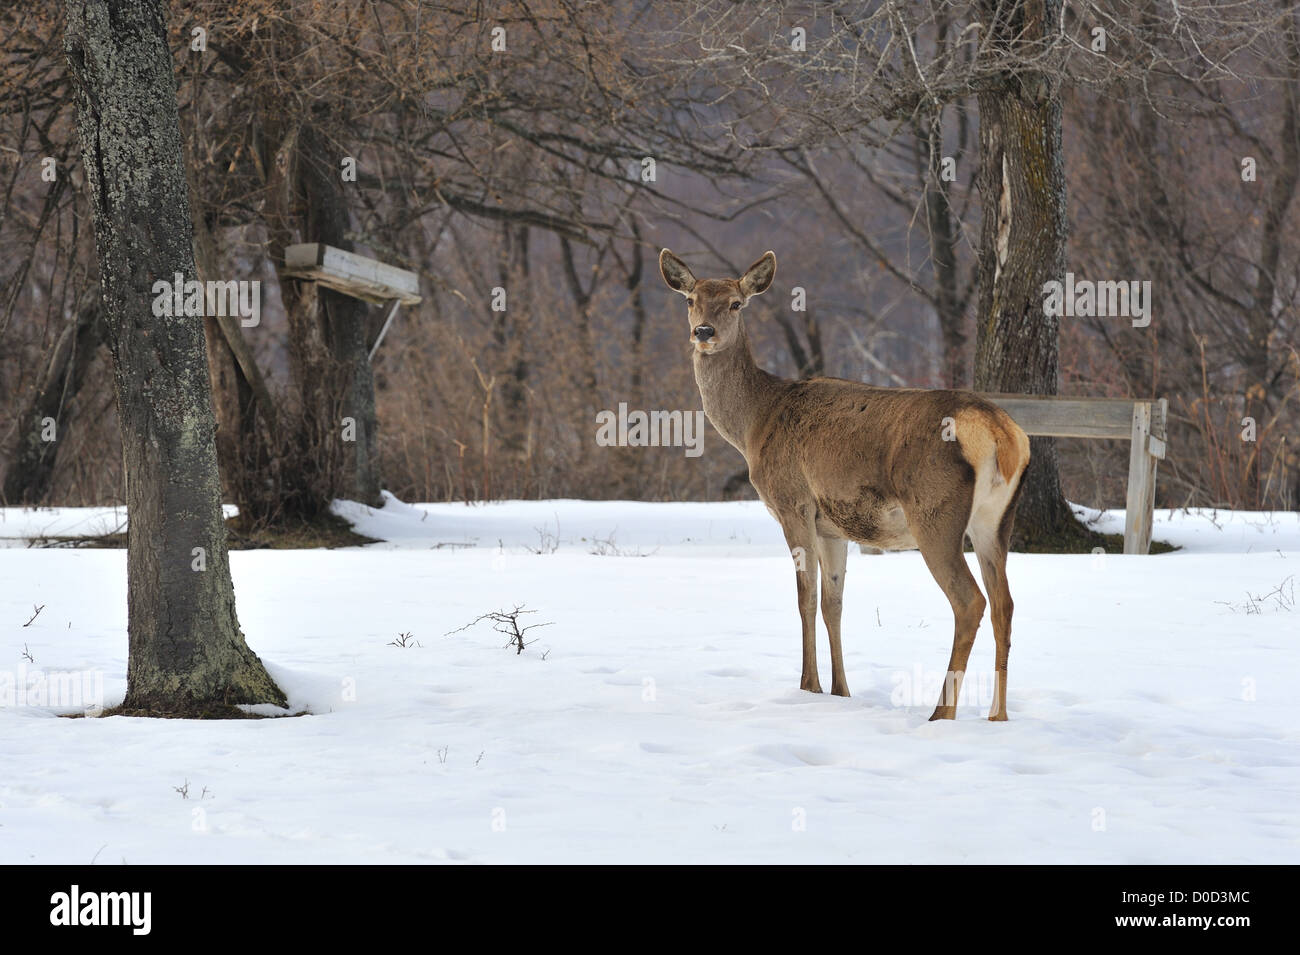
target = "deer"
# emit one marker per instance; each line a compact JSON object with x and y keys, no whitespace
{"x":837,"y":461}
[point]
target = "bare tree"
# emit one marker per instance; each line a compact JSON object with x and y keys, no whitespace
{"x":1022,"y":247}
{"x":187,"y":654}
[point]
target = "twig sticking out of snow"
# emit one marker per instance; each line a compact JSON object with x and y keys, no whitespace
{"x":506,"y":622}
{"x":1283,"y":596}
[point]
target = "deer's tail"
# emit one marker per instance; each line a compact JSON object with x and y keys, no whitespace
{"x":987,"y":433}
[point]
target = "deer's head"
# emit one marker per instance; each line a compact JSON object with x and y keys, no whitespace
{"x":713,"y":305}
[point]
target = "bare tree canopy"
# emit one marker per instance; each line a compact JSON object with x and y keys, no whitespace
{"x":525,"y":160}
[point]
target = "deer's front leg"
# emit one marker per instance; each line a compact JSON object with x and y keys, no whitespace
{"x":803,"y":550}
{"x":833,"y":556}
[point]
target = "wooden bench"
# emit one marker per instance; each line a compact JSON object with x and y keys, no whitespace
{"x":1141,"y":420}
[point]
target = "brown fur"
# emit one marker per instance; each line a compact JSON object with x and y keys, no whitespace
{"x":978,"y":426}
{"x":838,"y":460}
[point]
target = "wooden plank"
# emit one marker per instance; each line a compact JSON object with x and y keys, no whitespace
{"x":351,"y":274}
{"x":1049,"y":416}
{"x":1140,"y":505}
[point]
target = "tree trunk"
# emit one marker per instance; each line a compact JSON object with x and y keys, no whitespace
{"x":328,"y":343}
{"x":187,"y":655}
{"x":943,"y":235}
{"x":31,"y":465}
{"x":640,"y":314}
{"x":1022,"y":246}
{"x":346,"y":319}
{"x":1262,"y":317}
{"x":509,"y":332}
{"x":230,"y":392}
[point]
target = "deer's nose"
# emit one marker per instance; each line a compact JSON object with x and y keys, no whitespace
{"x":704,"y":332}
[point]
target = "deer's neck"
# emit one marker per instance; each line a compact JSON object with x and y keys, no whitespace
{"x":736,"y":392}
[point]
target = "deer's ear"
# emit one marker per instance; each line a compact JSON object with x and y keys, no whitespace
{"x":758,"y":277}
{"x":675,"y":273}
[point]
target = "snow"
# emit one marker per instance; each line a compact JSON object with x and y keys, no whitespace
{"x":657,"y":719}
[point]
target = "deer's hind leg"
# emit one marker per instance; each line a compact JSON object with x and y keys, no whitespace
{"x":991,"y":545}
{"x":993,"y":568}
{"x":833,"y":556}
{"x":939,"y":535}
{"x":801,"y":537}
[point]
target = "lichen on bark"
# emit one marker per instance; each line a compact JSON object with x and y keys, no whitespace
{"x":186,"y":651}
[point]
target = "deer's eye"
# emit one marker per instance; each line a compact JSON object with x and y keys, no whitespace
{"x":735,"y":306}
{"x":690,"y":302}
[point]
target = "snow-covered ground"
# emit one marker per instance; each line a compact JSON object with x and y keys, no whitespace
{"x":657,"y":719}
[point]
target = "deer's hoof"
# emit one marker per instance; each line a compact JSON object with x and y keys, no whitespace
{"x":943,"y":713}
